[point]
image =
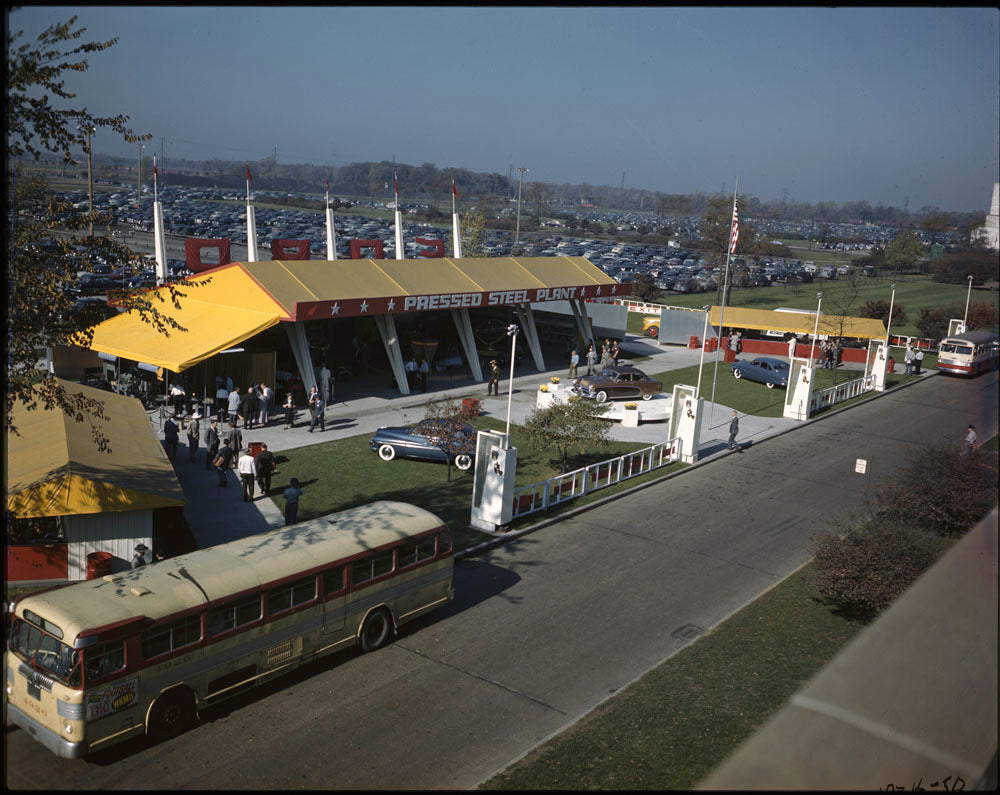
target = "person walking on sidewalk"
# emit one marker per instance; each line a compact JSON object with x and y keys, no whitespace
{"x":918,"y":359}
{"x":223,"y":462}
{"x":211,"y":444}
{"x":235,"y":441}
{"x":234,"y":405}
{"x":317,"y":403}
{"x":574,"y":360}
{"x":265,"y":468}
{"x":591,"y":359}
{"x":291,"y":495}
{"x":248,"y":474}
{"x":222,"y":400}
{"x":734,"y":428}
{"x":493,"y":387}
{"x":289,"y":407}
{"x":170,"y":438}
{"x":193,"y":435}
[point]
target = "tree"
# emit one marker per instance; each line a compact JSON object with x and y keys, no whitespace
{"x":644,"y":288}
{"x":576,"y":424}
{"x":904,"y":250}
{"x":879,"y":310}
{"x":47,"y":244}
{"x":474,"y":233}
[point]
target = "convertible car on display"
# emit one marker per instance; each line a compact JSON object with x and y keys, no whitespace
{"x":428,"y":440}
{"x":615,"y":383}
{"x":764,"y":370}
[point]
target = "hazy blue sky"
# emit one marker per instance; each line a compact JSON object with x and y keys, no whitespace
{"x":838,"y":104}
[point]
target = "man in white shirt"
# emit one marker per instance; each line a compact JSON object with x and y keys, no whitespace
{"x":248,"y":474}
{"x":266,"y":394}
{"x":222,"y":399}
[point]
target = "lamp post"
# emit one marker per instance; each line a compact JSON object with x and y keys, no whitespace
{"x":138,"y":177}
{"x":512,"y":330}
{"x":888,"y":324}
{"x":819,"y":303}
{"x":968,"y":295}
{"x":520,"y":183}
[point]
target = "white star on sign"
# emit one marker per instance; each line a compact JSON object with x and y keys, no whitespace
{"x":364,"y":306}
{"x":391,"y":306}
{"x":614,"y":289}
{"x":598,"y":291}
{"x":334,"y":309}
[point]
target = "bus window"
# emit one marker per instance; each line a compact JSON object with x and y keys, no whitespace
{"x":444,"y":543}
{"x":290,"y":595}
{"x":175,"y":635}
{"x":103,"y":660}
{"x":333,"y":581}
{"x":415,"y":551}
{"x":371,"y":566}
{"x":230,"y":616}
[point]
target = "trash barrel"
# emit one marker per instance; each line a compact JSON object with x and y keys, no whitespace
{"x":729,"y":355}
{"x":892,"y":365}
{"x":694,"y":343}
{"x":711,"y":344}
{"x":255,"y":447}
{"x":98,"y":564}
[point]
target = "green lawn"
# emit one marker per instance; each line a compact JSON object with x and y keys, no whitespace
{"x":680,"y":720}
{"x":344,"y":473}
{"x":913,"y":292}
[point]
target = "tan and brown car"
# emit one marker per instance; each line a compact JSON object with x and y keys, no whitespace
{"x":616,"y":383}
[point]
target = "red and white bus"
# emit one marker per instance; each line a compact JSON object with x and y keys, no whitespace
{"x":970,"y":353}
{"x":95,"y":663}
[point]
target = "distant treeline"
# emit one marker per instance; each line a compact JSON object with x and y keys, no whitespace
{"x":429,"y":184}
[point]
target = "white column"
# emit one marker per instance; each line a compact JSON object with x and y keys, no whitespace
{"x":400,"y":252}
{"x":300,"y":349}
{"x":579,"y":309}
{"x":252,"y":255}
{"x":456,"y":235}
{"x":527,"y":319}
{"x":331,"y":236}
{"x":159,"y":243}
{"x":390,"y":338}
{"x":464,"y":326}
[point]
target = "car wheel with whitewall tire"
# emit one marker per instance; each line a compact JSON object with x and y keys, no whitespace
{"x":769,"y":385}
{"x":647,"y":396}
{"x":601,"y":396}
{"x":387,"y":452}
{"x":463,"y":462}
{"x":737,"y":374}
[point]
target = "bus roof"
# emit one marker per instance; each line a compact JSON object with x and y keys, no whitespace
{"x":186,"y":581}
{"x":974,"y":337}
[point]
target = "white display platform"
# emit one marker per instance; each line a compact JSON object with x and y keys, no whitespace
{"x":656,"y":409}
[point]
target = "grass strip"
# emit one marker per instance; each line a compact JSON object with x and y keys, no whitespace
{"x":675,"y":724}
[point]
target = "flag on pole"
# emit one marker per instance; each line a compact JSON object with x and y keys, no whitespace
{"x":327,"y":181}
{"x":249,"y":178}
{"x":396,"y":183}
{"x":155,"y":172}
{"x":735,"y":234}
{"x":454,"y":190}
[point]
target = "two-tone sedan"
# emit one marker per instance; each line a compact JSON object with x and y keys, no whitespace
{"x":439,"y":440}
{"x":617,"y":383}
{"x":764,"y":370}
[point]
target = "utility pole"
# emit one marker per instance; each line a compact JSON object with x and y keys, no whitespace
{"x":520,"y":183}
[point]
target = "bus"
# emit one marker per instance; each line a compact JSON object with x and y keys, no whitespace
{"x":970,"y":353}
{"x":140,"y":652}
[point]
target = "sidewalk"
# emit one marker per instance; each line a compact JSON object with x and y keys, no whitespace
{"x":363,"y":405}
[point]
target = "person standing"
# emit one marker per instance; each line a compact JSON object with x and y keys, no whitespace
{"x":211,"y":444}
{"x":193,"y":435}
{"x":266,"y":396}
{"x":222,"y":399}
{"x":250,"y":407}
{"x":233,"y":401}
{"x":265,"y":468}
{"x":918,"y":359}
{"x":425,"y":371}
{"x":908,"y":359}
{"x":177,"y":399}
{"x":591,"y":359}
{"x":170,"y":438}
{"x":605,"y":355}
{"x":411,"y":372}
{"x":574,"y":360}
{"x":734,"y":428}
{"x":248,"y":474}
{"x":970,"y":440}
{"x":493,"y":387}
{"x":223,"y":462}
{"x":792,"y":341}
{"x":289,"y":407}
{"x":235,"y":442}
{"x":139,"y":558}
{"x":317,"y":404}
{"x":615,"y":353}
{"x":324,"y":379}
{"x":291,"y":495}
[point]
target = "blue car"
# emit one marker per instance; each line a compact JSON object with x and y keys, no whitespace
{"x":764,"y":370}
{"x":428,"y":440}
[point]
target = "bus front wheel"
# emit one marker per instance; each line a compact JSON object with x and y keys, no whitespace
{"x":172,"y":713}
{"x":375,"y":631}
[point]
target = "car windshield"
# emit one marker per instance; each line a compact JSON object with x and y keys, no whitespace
{"x":45,"y":652}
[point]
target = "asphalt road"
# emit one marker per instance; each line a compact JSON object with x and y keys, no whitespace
{"x":544,"y":628}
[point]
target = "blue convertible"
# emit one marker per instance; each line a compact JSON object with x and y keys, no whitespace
{"x":429,"y":440}
{"x":764,"y":370}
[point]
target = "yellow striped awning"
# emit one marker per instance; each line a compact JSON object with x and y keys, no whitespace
{"x":798,"y":323}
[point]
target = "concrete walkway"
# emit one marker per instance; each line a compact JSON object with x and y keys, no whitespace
{"x":364,"y":404}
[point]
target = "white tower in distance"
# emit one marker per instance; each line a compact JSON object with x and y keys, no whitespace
{"x":989,"y":232}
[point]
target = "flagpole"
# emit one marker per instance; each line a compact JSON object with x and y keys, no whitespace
{"x":733,"y":230}
{"x":154,"y":178}
{"x":331,"y":229}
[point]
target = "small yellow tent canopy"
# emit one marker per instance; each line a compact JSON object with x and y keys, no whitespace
{"x":55,"y":469}
{"x":798,"y":323}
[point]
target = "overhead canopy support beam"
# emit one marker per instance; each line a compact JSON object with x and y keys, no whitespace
{"x":464,"y":326}
{"x":303,"y":358}
{"x":527,"y":318}
{"x":583,"y":322}
{"x":390,"y":338}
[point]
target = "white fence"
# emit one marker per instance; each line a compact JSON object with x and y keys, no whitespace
{"x":841,"y":392}
{"x":546,"y":493}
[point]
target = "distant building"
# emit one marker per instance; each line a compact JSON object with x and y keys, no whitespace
{"x":989,"y":232}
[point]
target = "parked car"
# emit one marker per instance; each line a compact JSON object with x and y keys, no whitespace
{"x":764,"y":370}
{"x":616,"y":383}
{"x":651,"y":326}
{"x":429,"y":440}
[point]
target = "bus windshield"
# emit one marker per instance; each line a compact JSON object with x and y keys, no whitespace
{"x":47,"y":653}
{"x":956,"y":347}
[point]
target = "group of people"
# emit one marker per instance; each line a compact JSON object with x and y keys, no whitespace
{"x":253,"y":407}
{"x":913,"y":358}
{"x":610,"y":353}
{"x":417,"y":374}
{"x":829,"y":354}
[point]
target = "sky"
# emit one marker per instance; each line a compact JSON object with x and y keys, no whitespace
{"x":896,"y":106}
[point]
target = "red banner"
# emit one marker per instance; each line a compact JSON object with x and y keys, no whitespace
{"x":436,"y":247}
{"x":290,"y":249}
{"x":192,"y":252}
{"x":357,"y":245}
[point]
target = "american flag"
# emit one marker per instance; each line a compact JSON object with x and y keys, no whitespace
{"x":735,"y":235}
{"x":249,"y":178}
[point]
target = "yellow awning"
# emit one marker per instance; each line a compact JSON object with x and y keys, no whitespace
{"x":798,"y":323}
{"x":55,"y":468}
{"x":224,"y":309}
